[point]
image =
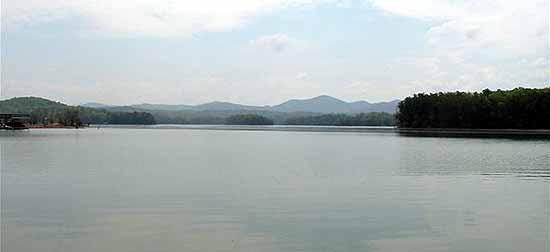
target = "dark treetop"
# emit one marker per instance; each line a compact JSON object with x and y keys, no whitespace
{"x":248,"y":119}
{"x":520,"y":108}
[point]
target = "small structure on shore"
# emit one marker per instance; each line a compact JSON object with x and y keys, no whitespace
{"x":14,"y":121}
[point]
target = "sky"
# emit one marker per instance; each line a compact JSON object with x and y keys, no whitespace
{"x":263,"y":52}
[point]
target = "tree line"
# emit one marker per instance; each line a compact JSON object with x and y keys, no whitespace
{"x":47,"y":112}
{"x":520,"y":108}
{"x":362,"y":119}
{"x":78,"y":116}
{"x":248,"y":119}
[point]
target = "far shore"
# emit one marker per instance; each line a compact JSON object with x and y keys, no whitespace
{"x":435,"y":132}
{"x":54,"y":126}
{"x":543,"y":133}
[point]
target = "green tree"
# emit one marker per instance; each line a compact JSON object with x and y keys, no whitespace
{"x":520,"y":108}
{"x":248,"y":119}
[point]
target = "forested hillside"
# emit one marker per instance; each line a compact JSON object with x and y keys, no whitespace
{"x":520,"y":108}
{"x":43,"y":111}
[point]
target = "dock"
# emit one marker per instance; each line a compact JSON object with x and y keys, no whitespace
{"x":14,"y":121}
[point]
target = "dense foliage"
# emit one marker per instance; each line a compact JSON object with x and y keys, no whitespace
{"x":363,"y":119}
{"x":45,"y":112}
{"x":248,"y":119}
{"x":130,"y":118}
{"x":520,"y":108}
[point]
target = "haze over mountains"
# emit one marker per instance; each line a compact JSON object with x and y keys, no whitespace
{"x":321,"y":104}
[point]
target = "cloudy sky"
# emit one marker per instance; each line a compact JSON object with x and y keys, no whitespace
{"x":266,"y":51}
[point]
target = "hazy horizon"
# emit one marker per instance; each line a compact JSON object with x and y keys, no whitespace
{"x":196,"y":104}
{"x":268,"y":52}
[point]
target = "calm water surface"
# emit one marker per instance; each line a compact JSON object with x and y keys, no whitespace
{"x":215,"y":190}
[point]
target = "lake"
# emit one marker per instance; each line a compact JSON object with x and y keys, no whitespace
{"x":140,"y":189}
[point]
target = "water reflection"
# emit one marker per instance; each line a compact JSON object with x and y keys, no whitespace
{"x":457,"y":156}
{"x":193,"y":190}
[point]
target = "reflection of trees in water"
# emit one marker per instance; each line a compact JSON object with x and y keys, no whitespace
{"x":474,"y":156}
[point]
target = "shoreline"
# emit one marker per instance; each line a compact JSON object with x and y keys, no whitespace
{"x":476,"y":131}
{"x":544,"y":133}
{"x":427,"y":132}
{"x":54,"y":127}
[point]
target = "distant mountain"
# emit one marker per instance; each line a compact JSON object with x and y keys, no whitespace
{"x":212,"y":106}
{"x":217,"y":106}
{"x":319,"y":104}
{"x":147,"y":106}
{"x":327,"y":104}
{"x":322,"y":104}
{"x":95,"y":105}
{"x":365,"y":107}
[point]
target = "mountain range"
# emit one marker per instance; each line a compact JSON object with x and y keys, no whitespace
{"x":321,"y":104}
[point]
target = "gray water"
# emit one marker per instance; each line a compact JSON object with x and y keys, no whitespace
{"x":218,"y":190}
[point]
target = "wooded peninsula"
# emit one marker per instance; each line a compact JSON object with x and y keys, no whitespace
{"x":520,"y":108}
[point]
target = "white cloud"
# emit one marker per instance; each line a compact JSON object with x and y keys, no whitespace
{"x":503,"y":28}
{"x":439,"y":73}
{"x":302,"y":76}
{"x":540,"y":62}
{"x":275,"y":42}
{"x":159,"y":18}
{"x":475,"y":44}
